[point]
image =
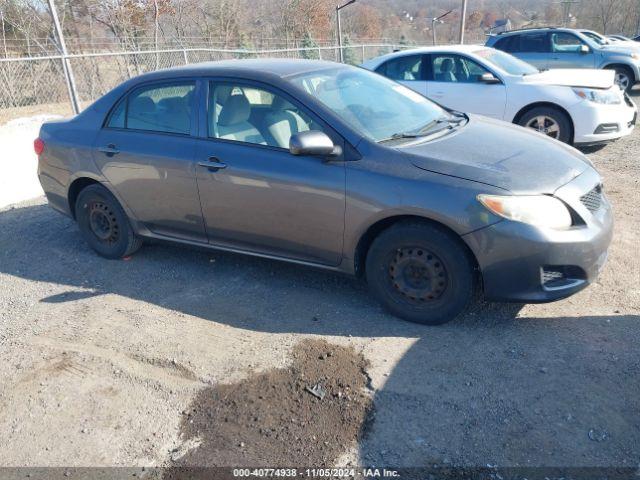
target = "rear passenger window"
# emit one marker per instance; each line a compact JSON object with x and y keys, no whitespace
{"x":533,"y":43}
{"x":407,"y":68}
{"x":507,"y":44}
{"x":165,"y":109}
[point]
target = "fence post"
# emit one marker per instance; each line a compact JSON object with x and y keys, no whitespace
{"x":186,"y":58}
{"x":66,"y":66}
{"x":363,"y":54}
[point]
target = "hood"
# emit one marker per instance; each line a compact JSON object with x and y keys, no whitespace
{"x":502,"y":155}
{"x":602,"y":79}
{"x":623,"y":48}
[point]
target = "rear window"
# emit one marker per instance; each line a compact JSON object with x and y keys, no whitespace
{"x":166,"y":108}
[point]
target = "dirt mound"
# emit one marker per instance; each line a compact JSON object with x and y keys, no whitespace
{"x":305,"y":415}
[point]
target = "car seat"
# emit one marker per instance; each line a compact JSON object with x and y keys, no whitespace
{"x":446,"y":71}
{"x":283,"y":121}
{"x":233,"y":122}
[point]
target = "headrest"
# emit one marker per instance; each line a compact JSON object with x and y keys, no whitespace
{"x":235,"y":110}
{"x":223,"y":92}
{"x":279,"y":103}
{"x":142,"y":105}
{"x":173,"y":104}
{"x":447,"y":65}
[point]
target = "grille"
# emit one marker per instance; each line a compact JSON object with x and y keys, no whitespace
{"x":593,"y":199}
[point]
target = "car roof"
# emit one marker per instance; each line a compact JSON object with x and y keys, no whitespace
{"x":425,"y":50}
{"x":259,"y":68}
{"x":538,"y":29}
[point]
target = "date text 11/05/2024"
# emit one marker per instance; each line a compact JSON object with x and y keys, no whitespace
{"x":316,"y":472}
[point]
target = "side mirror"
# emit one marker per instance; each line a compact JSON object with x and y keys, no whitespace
{"x":489,"y":78}
{"x":314,"y":143}
{"x":584,"y":49}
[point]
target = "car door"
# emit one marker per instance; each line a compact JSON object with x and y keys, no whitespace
{"x":255,"y":194}
{"x":569,"y":51}
{"x":407,"y":70}
{"x":455,"y":81}
{"x":146,"y":150}
{"x":533,"y":48}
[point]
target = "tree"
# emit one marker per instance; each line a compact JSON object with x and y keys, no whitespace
{"x":349,"y":54}
{"x":309,"y":43}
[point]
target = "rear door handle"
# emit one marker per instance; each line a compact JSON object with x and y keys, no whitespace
{"x":213,"y":165}
{"x":110,"y":150}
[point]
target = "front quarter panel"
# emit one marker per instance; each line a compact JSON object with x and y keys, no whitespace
{"x":384,"y":184}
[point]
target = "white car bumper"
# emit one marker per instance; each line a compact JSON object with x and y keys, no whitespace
{"x":596,"y":123}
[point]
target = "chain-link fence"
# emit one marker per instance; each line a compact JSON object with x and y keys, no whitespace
{"x":42,"y":81}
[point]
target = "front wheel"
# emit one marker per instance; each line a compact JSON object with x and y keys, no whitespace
{"x":104,"y":224}
{"x":548,"y":121}
{"x":420,"y":273}
{"x":624,"y":78}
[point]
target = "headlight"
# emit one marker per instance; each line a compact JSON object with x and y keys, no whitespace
{"x":539,"y":210}
{"x":606,"y":97}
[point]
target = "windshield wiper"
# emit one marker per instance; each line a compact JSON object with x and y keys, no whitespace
{"x":428,"y":128}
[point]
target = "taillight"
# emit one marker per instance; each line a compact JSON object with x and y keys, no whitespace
{"x":38,"y":146}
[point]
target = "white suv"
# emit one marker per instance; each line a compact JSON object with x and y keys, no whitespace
{"x":574,"y":106}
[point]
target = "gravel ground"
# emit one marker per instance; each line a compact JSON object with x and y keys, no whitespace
{"x":101,"y":359}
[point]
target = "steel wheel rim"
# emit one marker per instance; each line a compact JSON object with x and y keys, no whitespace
{"x":622,"y":80}
{"x":545,"y":125}
{"x":103,"y":223}
{"x":417,"y":275}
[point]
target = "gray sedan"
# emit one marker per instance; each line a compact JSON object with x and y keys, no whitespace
{"x":331,"y":166}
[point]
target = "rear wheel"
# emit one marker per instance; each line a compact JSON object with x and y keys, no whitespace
{"x":104,"y":224}
{"x":548,"y":121}
{"x":420,"y":273}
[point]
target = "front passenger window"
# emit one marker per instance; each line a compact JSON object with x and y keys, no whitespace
{"x":252,"y":115}
{"x":456,"y":69}
{"x":566,"y":43}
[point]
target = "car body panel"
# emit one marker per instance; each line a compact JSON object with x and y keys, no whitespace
{"x":268,"y":202}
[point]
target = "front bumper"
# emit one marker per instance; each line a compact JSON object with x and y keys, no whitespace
{"x":523,"y":263}
{"x":595,"y":124}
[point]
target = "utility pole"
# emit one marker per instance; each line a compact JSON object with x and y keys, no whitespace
{"x":463,"y":20}
{"x":566,"y":10}
{"x":4,"y":35}
{"x":68,"y":73}
{"x":339,"y":27}
{"x":434,"y":22}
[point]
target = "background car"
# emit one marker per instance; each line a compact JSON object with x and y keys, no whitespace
{"x":620,"y":38}
{"x":549,"y":48}
{"x":331,"y":166}
{"x":563,"y":104}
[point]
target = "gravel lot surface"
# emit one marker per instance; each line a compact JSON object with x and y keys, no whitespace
{"x":102,"y":360}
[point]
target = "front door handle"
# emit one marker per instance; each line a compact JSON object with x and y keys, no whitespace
{"x":109,"y":150}
{"x":213,"y":165}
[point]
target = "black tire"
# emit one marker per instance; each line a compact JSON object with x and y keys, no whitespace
{"x":444,"y":285}
{"x":104,"y":224}
{"x":621,"y":72}
{"x":561,"y":119}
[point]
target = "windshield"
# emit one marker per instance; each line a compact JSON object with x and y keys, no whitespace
{"x":375,"y":106}
{"x":506,"y":62}
{"x":599,"y":39}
